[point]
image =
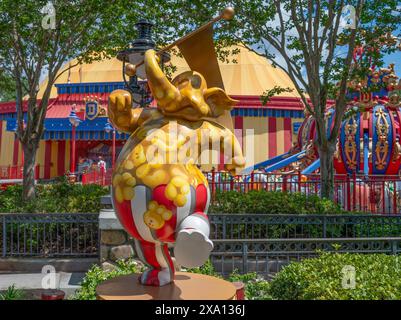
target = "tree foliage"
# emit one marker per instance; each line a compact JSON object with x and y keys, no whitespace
{"x":302,"y":37}
{"x":39,"y":37}
{"x":313,"y":41}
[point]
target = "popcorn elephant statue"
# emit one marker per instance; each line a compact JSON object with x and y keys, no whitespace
{"x":159,"y":194}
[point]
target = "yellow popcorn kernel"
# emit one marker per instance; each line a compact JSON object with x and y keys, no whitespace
{"x":167,"y":215}
{"x":157,"y":161}
{"x":156,"y":178}
{"x":128,"y":179}
{"x":118,"y":193}
{"x":131,"y":182}
{"x":171,"y":191}
{"x":180,"y":200}
{"x":139,"y":148}
{"x":160,"y":209}
{"x":138,"y":156}
{"x":128,"y":165}
{"x":177,"y":171}
{"x":116,"y":180}
{"x":179,"y":181}
{"x":153,"y":220}
{"x":128,"y":193}
{"x":152,"y":205}
{"x":126,"y":175}
{"x":142,"y":171}
{"x":185,"y":189}
{"x":156,"y":165}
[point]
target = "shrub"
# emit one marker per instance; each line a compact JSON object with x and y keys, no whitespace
{"x":12,"y":293}
{"x":271,"y":202}
{"x":96,"y":275}
{"x":377,"y":277}
{"x":54,"y":198}
{"x":255,"y":288}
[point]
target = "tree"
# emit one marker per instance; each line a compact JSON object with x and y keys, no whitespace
{"x":7,"y":88}
{"x":313,"y":42}
{"x":39,"y":37}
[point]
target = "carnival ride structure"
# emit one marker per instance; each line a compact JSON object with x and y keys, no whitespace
{"x":368,"y":144}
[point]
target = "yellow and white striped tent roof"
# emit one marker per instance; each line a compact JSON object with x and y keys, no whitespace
{"x":250,"y":75}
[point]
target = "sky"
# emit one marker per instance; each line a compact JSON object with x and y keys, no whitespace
{"x":394,"y":58}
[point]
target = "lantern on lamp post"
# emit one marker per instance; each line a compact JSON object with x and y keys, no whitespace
{"x":137,"y":83}
{"x":109,"y":129}
{"x":75,"y":121}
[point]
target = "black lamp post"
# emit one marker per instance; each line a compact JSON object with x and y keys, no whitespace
{"x":137,"y":83}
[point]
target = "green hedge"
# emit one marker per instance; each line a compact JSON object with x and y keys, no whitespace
{"x":270,"y":202}
{"x":377,"y":277}
{"x":65,"y":197}
{"x":97,"y":275}
{"x":54,"y":198}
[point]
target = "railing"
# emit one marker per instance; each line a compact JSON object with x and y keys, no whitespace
{"x":268,"y":256}
{"x":15,"y":172}
{"x":265,"y":243}
{"x":261,"y":243}
{"x":97,"y":176}
{"x":372,"y":194}
{"x":49,"y":235}
{"x":288,"y":226}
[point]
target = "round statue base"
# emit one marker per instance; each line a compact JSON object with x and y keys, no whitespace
{"x":186,"y":286}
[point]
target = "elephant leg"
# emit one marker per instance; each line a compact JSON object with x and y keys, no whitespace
{"x":157,"y":257}
{"x":193,"y":246}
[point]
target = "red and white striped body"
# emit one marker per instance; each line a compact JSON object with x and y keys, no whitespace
{"x":152,"y":236}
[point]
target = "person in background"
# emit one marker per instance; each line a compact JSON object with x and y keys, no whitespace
{"x":80,"y":168}
{"x":260,"y":177}
{"x":101,"y":164}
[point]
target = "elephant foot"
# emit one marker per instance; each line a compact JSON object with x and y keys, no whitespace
{"x":156,"y":277}
{"x":192,"y":248}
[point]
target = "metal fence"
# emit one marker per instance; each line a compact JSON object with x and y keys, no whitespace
{"x":356,"y":192}
{"x":265,"y":243}
{"x":370,"y":194}
{"x":246,"y":242}
{"x":49,"y":235}
{"x":295,"y":226}
{"x":16,"y":172}
{"x":268,"y":256}
{"x":97,"y":176}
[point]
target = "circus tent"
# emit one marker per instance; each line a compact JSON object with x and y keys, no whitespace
{"x":275,"y":125}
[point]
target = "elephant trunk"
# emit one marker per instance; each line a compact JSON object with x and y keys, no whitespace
{"x":166,"y":94}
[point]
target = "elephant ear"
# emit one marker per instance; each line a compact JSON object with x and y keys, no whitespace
{"x":218,"y":101}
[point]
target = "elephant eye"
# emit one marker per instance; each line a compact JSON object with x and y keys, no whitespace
{"x":196,"y":81}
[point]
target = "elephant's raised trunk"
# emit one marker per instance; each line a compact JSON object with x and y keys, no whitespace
{"x":166,"y":94}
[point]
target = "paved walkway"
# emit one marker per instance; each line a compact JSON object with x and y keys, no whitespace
{"x":66,"y":281}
